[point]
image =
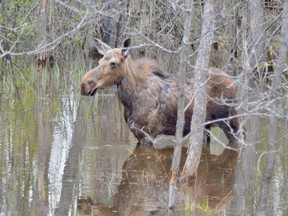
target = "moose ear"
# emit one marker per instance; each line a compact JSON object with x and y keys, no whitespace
{"x":125,"y":44}
{"x":101,"y":46}
{"x":125,"y":52}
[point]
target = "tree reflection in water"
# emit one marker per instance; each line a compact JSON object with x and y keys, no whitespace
{"x":144,"y":186}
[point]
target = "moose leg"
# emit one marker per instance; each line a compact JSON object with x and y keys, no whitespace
{"x":230,"y":129}
{"x":144,"y":143}
{"x":207,"y":137}
{"x":144,"y":139}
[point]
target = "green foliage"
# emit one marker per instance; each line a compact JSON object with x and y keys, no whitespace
{"x":205,"y":205}
{"x":187,"y":207}
{"x":19,"y":20}
{"x":191,"y":209}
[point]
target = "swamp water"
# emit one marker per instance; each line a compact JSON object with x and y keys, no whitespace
{"x":64,"y":154}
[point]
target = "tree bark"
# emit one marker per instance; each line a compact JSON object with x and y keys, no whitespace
{"x":247,"y":156}
{"x":201,"y":74}
{"x":52,"y":57}
{"x":107,"y":22}
{"x":42,"y":34}
{"x":253,"y":43}
{"x":184,"y":57}
{"x":256,"y":15}
{"x":272,"y":120}
{"x":122,"y":23}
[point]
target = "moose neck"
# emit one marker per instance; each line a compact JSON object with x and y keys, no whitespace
{"x":134,"y":78}
{"x":126,"y":88}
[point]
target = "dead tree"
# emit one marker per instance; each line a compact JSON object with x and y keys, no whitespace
{"x":184,"y":57}
{"x":200,"y":101}
{"x":42,"y":33}
{"x":272,"y":120}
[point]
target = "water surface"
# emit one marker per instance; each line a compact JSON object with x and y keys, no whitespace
{"x":61,"y":153}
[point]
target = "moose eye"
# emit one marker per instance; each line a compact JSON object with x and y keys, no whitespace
{"x":113,"y":64}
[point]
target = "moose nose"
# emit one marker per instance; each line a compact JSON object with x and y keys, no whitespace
{"x":88,"y":87}
{"x":88,"y":83}
{"x":84,"y":90}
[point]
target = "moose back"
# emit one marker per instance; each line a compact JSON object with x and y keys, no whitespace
{"x":150,"y":96}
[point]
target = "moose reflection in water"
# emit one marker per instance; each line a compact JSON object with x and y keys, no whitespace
{"x":144,"y":186}
{"x":150,"y":96}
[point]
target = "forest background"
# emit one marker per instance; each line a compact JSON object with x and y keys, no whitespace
{"x":249,"y":42}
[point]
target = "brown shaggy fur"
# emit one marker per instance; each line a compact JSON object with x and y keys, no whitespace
{"x":150,"y":96}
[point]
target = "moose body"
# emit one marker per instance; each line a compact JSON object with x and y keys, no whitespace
{"x":150,"y":96}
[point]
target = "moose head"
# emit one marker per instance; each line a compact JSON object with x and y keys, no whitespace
{"x":110,"y":70}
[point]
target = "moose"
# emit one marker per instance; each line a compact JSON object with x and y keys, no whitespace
{"x":150,"y":96}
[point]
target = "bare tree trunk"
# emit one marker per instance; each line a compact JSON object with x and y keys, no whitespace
{"x":122,"y":22}
{"x":184,"y":57}
{"x":247,"y":156}
{"x":272,"y":121}
{"x":42,"y":34}
{"x":201,"y":74}
{"x":252,"y":56}
{"x":256,"y":15}
{"x":107,"y":22}
{"x":235,"y":34}
{"x":52,"y":57}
